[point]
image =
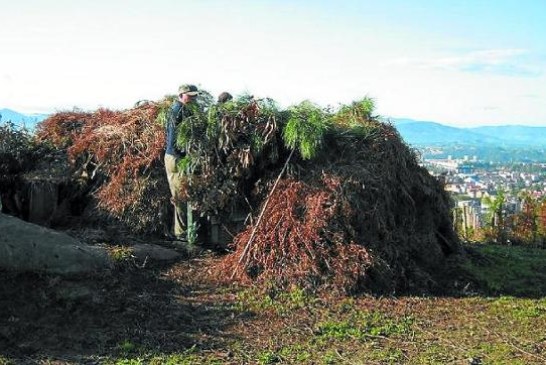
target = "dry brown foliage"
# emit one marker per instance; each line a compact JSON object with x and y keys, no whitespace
{"x":118,"y":152}
{"x":362,"y":215}
{"x":304,"y":240}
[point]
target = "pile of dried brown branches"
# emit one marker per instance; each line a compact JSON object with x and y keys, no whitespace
{"x":352,"y":211}
{"x":304,"y":240}
{"x":362,"y":215}
{"x":119,"y":153}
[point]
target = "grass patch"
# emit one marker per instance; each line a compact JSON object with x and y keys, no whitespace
{"x":136,"y":361}
{"x":190,"y":356}
{"x":330,"y":357}
{"x":365,"y":325}
{"x":5,"y":361}
{"x":388,"y":355}
{"x":508,"y":270}
{"x":519,"y":310}
{"x":435,"y":354}
{"x":127,"y":347}
{"x":268,"y":357}
{"x":296,"y":354}
{"x":184,"y":359}
{"x":120,"y":253}
{"x":282,"y":303}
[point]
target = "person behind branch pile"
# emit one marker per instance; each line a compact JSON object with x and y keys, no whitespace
{"x":224,"y":97}
{"x":180,"y":110}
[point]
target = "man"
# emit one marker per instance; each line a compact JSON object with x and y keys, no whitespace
{"x":224,"y":97}
{"x":180,"y":110}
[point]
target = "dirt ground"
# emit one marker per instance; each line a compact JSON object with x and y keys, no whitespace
{"x":161,"y":308}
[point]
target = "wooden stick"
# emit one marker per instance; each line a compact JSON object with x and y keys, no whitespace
{"x":255,"y":229}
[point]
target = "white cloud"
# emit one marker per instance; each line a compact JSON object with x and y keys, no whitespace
{"x":507,"y":62}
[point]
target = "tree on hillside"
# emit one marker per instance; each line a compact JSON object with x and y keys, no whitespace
{"x":525,"y":223}
{"x":496,"y":217}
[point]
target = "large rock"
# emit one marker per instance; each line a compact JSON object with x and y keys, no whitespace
{"x":28,"y":247}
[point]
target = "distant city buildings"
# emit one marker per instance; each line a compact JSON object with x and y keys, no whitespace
{"x":474,"y":184}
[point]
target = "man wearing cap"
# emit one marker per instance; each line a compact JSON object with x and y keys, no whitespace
{"x":180,"y":110}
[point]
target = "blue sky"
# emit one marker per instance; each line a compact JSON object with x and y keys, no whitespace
{"x":461,"y":63}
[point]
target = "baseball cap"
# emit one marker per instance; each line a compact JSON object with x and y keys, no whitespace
{"x":188,"y":89}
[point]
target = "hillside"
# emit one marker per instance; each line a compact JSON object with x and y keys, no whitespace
{"x":427,"y":133}
{"x":431,"y":133}
{"x":516,"y":134}
{"x":20,"y":119}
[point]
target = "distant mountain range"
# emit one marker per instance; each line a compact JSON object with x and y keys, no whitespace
{"x":421,"y":133}
{"x":21,"y":120}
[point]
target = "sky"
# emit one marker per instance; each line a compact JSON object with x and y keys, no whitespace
{"x":460,"y":63}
